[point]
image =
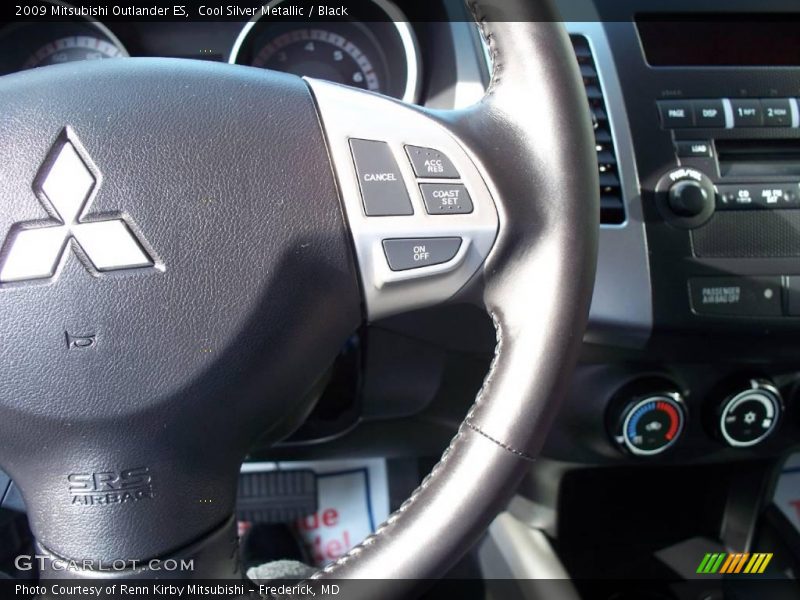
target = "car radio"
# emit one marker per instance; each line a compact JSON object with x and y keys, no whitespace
{"x":714,"y":112}
{"x":736,"y":194}
{"x":731,"y":173}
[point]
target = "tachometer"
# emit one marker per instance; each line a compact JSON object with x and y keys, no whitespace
{"x":30,"y":44}
{"x":375,"y":50}
{"x":73,"y":48}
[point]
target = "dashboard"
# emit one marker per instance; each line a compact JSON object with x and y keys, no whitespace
{"x":377,"y":49}
{"x":690,"y":355}
{"x":686,"y":395}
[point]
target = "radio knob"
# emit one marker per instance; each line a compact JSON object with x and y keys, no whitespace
{"x":686,"y":197}
{"x":690,"y":198}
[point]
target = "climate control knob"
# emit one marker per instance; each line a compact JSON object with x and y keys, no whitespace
{"x":650,"y":424}
{"x":750,"y":416}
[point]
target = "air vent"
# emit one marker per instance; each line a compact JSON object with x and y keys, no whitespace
{"x":612,"y":209}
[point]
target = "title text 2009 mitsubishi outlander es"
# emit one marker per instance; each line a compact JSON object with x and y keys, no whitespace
{"x":395,"y":299}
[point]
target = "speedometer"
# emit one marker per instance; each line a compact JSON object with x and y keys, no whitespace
{"x":322,"y":54}
{"x":375,"y":49}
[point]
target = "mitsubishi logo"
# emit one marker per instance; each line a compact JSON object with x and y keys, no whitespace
{"x":66,"y":185}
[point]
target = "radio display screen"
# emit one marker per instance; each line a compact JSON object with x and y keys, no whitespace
{"x":720,"y":40}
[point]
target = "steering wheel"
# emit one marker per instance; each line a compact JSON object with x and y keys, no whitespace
{"x":189,"y":245}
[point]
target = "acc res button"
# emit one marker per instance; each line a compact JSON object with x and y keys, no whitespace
{"x":736,"y":296}
{"x":404,"y":254}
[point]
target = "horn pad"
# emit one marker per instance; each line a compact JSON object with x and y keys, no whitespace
{"x":175,"y":274}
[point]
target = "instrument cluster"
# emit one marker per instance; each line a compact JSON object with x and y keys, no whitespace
{"x":30,"y":45}
{"x":376,"y":49}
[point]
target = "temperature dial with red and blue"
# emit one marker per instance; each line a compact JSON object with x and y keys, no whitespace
{"x":650,"y":425}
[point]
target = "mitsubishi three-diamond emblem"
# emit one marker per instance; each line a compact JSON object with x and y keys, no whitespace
{"x":66,"y":186}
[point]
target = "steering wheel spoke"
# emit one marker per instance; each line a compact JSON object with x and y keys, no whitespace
{"x":417,"y":202}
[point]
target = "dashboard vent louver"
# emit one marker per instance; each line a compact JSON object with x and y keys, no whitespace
{"x":612,"y":209}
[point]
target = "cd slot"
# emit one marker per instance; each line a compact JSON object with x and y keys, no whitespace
{"x":758,"y":158}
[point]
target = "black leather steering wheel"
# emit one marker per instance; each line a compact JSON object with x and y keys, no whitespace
{"x":129,"y":394}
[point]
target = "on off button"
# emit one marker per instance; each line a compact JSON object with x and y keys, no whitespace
{"x":413,"y":253}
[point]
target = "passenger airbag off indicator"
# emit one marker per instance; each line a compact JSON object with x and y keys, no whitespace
{"x":413,"y":253}
{"x":446,"y":198}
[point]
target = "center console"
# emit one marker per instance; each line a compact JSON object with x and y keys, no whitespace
{"x":691,"y":352}
{"x":686,"y":400}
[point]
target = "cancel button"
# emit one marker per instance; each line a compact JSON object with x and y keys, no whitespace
{"x":736,"y":296}
{"x":413,"y":253}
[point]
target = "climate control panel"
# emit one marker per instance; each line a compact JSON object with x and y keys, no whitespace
{"x":650,"y":415}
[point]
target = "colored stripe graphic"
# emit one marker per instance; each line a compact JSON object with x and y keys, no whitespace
{"x":758,"y":563}
{"x":740,"y":562}
{"x":704,"y":563}
{"x":742,"y":558}
{"x":711,"y":563}
{"x":734,"y":563}
{"x":726,"y":566}
{"x":767,"y":558}
{"x":715,"y":567}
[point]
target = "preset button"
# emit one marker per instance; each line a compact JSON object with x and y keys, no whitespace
{"x":777,"y":112}
{"x":747,"y":113}
{"x":413,"y":253}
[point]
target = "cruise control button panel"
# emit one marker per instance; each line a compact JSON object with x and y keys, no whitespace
{"x":382,"y":187}
{"x":430,"y":163}
{"x":419,"y":208}
{"x":446,"y":199}
{"x":420,"y":252}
